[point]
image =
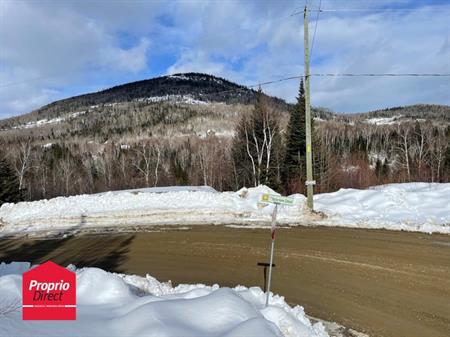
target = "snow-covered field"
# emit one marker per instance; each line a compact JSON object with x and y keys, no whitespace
{"x":421,"y":207}
{"x":127,"y":305}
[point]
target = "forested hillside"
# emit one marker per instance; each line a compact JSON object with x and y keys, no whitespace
{"x":197,"y":129}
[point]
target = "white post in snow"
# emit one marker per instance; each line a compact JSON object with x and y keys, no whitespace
{"x":267,"y":198}
{"x":274,"y":219}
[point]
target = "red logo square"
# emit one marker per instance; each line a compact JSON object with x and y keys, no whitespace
{"x":49,"y":293}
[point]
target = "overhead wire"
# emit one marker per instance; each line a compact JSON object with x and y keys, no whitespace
{"x":297,"y":12}
{"x":260,"y":84}
{"x":315,"y":28}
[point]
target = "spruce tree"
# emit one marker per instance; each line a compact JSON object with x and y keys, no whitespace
{"x":446,"y":165}
{"x":294,"y":159}
{"x":378,"y":168}
{"x":9,"y":184}
{"x":385,"y":168}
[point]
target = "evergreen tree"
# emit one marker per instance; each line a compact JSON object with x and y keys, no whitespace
{"x":9,"y":184}
{"x":378,"y":168}
{"x":180,"y":175}
{"x":294,"y":159}
{"x":385,"y":168}
{"x":446,"y":165}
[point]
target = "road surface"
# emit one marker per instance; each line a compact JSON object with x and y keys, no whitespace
{"x":383,"y":283}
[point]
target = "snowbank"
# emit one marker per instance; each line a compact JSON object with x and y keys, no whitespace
{"x":122,"y":305}
{"x":419,"y":207}
{"x":141,"y":208}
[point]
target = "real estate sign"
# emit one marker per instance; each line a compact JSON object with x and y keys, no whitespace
{"x":49,"y":293}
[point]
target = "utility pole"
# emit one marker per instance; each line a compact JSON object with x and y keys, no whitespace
{"x":309,"y":173}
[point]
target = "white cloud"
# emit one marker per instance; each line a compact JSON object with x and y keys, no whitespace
{"x":45,"y":46}
{"x":65,"y":43}
{"x":133,"y":59}
{"x":36,"y":99}
{"x":356,"y":42}
{"x":197,"y":61}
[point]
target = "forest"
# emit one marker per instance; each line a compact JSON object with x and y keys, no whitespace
{"x":263,"y":150}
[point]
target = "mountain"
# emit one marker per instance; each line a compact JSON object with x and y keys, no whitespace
{"x":176,"y":105}
{"x":151,"y":106}
{"x":178,"y":130}
{"x":186,"y":87}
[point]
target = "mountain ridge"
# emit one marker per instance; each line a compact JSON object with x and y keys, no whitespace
{"x":185,"y":103}
{"x":201,"y":87}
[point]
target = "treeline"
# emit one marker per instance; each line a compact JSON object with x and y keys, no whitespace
{"x":366,"y":155}
{"x":262,"y":151}
{"x":71,"y":168}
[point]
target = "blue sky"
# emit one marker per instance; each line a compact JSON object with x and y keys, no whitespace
{"x":55,"y":49}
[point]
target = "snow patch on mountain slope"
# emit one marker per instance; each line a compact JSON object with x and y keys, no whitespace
{"x":383,"y":120}
{"x":45,"y":121}
{"x":186,"y":99}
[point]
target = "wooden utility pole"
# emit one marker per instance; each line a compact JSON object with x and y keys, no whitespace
{"x":309,"y":170}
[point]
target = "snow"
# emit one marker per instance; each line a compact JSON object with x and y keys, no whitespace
{"x":179,"y":77}
{"x":13,"y":268}
{"x":195,"y":78}
{"x":39,"y":122}
{"x":422,"y":207}
{"x":111,"y":304}
{"x":216,"y":133}
{"x":78,"y":113}
{"x":45,"y":121}
{"x":350,"y":168}
{"x":166,"y":189}
{"x":375,"y":156}
{"x":186,"y":99}
{"x":383,"y":120}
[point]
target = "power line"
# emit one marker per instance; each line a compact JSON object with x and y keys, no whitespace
{"x":351,"y":75}
{"x":368,"y":9}
{"x":297,"y":12}
{"x":257,"y":85}
{"x":380,"y":75}
{"x":315,"y":28}
{"x":244,"y":87}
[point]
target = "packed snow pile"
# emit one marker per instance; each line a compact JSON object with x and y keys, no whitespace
{"x":171,"y":206}
{"x":121,"y":305}
{"x":422,"y":207}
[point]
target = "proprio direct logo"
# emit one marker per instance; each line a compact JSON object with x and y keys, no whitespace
{"x":49,"y":293}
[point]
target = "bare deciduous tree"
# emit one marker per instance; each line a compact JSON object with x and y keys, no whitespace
{"x":22,"y":161}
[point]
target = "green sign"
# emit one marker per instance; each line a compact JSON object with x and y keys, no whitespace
{"x":277,"y":199}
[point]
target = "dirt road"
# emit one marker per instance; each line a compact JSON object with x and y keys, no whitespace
{"x":383,"y":283}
